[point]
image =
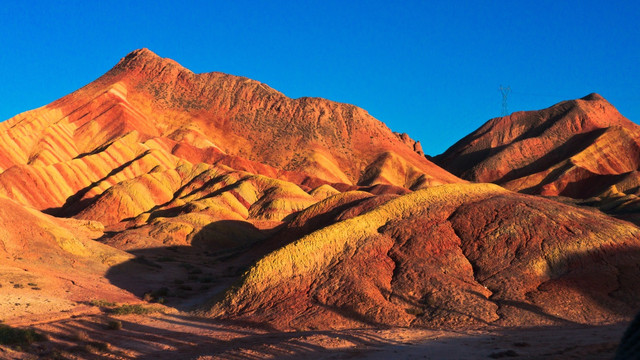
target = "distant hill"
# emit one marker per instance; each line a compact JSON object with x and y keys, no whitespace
{"x":579,"y":148}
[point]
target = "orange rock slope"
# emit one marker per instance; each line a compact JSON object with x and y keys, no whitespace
{"x":150,"y":115}
{"x":579,"y":148}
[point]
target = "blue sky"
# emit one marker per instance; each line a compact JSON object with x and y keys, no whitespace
{"x":428,"y":68}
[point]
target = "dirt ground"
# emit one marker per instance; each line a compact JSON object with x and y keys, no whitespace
{"x":76,"y":328}
{"x":181,"y":336}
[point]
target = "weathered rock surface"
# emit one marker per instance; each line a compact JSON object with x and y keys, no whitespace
{"x":451,"y":255}
{"x":49,"y":265}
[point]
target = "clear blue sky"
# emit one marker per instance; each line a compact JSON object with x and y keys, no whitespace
{"x":428,"y":68}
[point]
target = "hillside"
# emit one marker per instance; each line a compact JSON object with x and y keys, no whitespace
{"x":450,"y":256}
{"x":578,"y":148}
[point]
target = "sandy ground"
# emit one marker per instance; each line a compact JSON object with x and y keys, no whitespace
{"x":180,"y":336}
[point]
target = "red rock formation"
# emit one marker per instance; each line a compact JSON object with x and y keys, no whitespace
{"x":575,"y":148}
{"x":452,"y":256}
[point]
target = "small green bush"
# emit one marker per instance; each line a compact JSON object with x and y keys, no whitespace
{"x":12,"y":336}
{"x":135,"y":309}
{"x":114,"y":325}
{"x":103,"y":303}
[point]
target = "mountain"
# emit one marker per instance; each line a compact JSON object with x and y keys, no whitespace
{"x":579,"y":148}
{"x":149,"y":114}
{"x":217,"y":193}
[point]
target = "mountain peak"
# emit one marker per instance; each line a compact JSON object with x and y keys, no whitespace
{"x":567,"y":149}
{"x":144,"y":58}
{"x":141,"y":53}
{"x":593,"y":97}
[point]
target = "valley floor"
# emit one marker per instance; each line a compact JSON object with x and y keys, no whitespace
{"x":181,"y":336}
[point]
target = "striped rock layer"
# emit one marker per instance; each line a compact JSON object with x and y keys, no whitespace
{"x":149,"y":115}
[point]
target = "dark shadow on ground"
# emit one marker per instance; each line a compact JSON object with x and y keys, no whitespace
{"x":184,"y":277}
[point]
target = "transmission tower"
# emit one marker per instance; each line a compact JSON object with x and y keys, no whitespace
{"x":505,"y":94}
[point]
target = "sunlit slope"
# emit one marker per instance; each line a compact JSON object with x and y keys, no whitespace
{"x":119,"y":147}
{"x":575,"y":148}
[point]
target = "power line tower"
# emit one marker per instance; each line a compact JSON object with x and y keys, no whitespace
{"x":505,"y":94}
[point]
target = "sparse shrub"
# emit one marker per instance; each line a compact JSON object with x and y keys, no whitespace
{"x":156,"y":295}
{"x":80,"y":336}
{"x":114,"y":325}
{"x":13,"y":336}
{"x":103,"y":303}
{"x":135,"y":309}
{"x":95,"y":346}
{"x":100,"y":346}
{"x":18,"y":286}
